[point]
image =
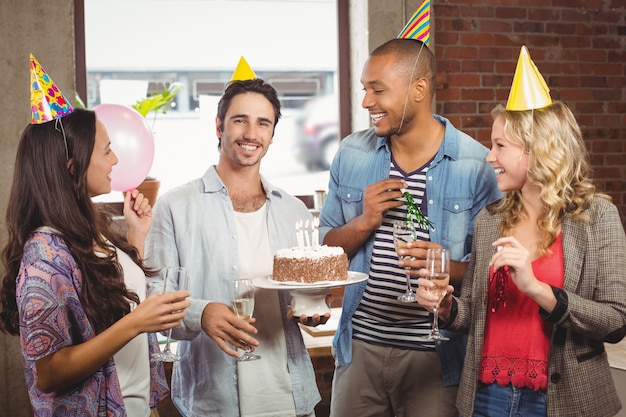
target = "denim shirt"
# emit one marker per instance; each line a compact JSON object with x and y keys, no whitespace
{"x":459,"y":183}
{"x":194,"y":226}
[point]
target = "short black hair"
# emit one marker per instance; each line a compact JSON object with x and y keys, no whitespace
{"x":405,"y":52}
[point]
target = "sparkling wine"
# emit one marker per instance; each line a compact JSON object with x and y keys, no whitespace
{"x":441,"y":282}
{"x":402,"y":234}
{"x":244,"y":307}
{"x":401,"y":239}
{"x":438,"y":263}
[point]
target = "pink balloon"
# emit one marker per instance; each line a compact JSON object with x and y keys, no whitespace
{"x":132,"y":142}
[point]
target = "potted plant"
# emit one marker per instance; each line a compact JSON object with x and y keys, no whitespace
{"x":155,"y":103}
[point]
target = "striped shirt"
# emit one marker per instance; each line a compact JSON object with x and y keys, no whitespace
{"x":380,"y":317}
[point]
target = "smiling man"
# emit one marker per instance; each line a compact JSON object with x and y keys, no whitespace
{"x":225,"y":226}
{"x":385,"y":366}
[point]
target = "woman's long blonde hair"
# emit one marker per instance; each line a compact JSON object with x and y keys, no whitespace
{"x":558,"y":165}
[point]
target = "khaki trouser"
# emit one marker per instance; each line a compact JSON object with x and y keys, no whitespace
{"x":383,"y":381}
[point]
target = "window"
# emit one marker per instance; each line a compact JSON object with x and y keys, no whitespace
{"x":291,"y":44}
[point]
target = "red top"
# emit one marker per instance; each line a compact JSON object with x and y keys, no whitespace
{"x":517,"y":340}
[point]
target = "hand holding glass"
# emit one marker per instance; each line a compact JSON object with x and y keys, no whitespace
{"x":402,"y":234}
{"x":438,"y":265}
{"x":175,"y":278}
{"x":243,"y":304}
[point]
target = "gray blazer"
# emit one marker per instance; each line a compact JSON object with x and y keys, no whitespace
{"x":591,"y":310}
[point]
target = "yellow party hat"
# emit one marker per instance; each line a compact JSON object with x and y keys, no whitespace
{"x":47,"y":102}
{"x":529,"y":90}
{"x":243,"y":71}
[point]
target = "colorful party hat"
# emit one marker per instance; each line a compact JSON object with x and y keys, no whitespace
{"x":418,"y":26}
{"x":243,"y":71}
{"x":529,"y":90}
{"x":46,"y":100}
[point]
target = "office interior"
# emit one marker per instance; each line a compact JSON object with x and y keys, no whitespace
{"x":579,"y":46}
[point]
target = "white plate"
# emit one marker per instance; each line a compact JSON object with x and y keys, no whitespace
{"x":267,"y":283}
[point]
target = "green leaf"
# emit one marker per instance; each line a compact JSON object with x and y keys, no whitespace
{"x":79,"y":101}
{"x":158,"y":102}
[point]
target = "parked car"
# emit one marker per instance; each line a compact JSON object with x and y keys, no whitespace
{"x":317,"y":137}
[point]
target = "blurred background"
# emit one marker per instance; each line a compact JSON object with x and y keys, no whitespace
{"x":136,"y":48}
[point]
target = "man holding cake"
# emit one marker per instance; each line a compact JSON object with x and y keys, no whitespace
{"x":384,"y":365}
{"x":224,"y":226}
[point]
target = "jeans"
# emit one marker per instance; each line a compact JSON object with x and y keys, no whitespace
{"x":494,"y":400}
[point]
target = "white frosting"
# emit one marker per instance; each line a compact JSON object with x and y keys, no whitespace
{"x":310,"y":252}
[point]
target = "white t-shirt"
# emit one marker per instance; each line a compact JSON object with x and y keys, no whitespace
{"x":132,"y":362}
{"x":264,"y":385}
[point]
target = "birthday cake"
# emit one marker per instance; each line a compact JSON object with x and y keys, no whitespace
{"x":310,"y":264}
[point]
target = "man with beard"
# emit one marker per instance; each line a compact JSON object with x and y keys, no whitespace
{"x":225,"y":226}
{"x":384,"y":364}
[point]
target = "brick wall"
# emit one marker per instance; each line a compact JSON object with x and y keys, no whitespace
{"x":579,"y":46}
{"x":324,"y":367}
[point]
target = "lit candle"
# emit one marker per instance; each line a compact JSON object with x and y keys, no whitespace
{"x":307,"y":240}
{"x":316,"y":232}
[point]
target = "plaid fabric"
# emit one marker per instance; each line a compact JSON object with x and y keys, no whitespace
{"x":591,"y":310}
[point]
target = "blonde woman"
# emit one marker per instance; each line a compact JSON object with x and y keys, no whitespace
{"x":545,"y":287}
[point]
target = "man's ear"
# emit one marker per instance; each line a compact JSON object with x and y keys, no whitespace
{"x":70,"y":166}
{"x":421,"y":89}
{"x":218,"y":127}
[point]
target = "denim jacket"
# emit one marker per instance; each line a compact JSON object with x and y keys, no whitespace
{"x":194,"y":226}
{"x":459,"y":183}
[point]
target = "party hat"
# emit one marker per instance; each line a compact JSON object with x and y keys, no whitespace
{"x":243,"y":71}
{"x":529,"y":90}
{"x":418,"y":26}
{"x":46,"y":100}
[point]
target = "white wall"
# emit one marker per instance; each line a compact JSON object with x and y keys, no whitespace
{"x":211,"y":34}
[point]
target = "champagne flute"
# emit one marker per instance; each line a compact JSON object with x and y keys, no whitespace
{"x":243,"y":304}
{"x":438,"y":264}
{"x":404,"y":233}
{"x":175,"y":278}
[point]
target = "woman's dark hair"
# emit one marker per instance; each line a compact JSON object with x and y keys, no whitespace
{"x":46,"y":192}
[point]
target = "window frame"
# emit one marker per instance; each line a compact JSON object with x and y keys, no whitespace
{"x":343,"y":64}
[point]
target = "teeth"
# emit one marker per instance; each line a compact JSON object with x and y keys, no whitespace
{"x":248,"y":147}
{"x":377,"y":117}
{"x":499,"y":171}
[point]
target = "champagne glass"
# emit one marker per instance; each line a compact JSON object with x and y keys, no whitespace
{"x":175,"y":278}
{"x":404,"y":233}
{"x":243,"y":304}
{"x":438,"y":264}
